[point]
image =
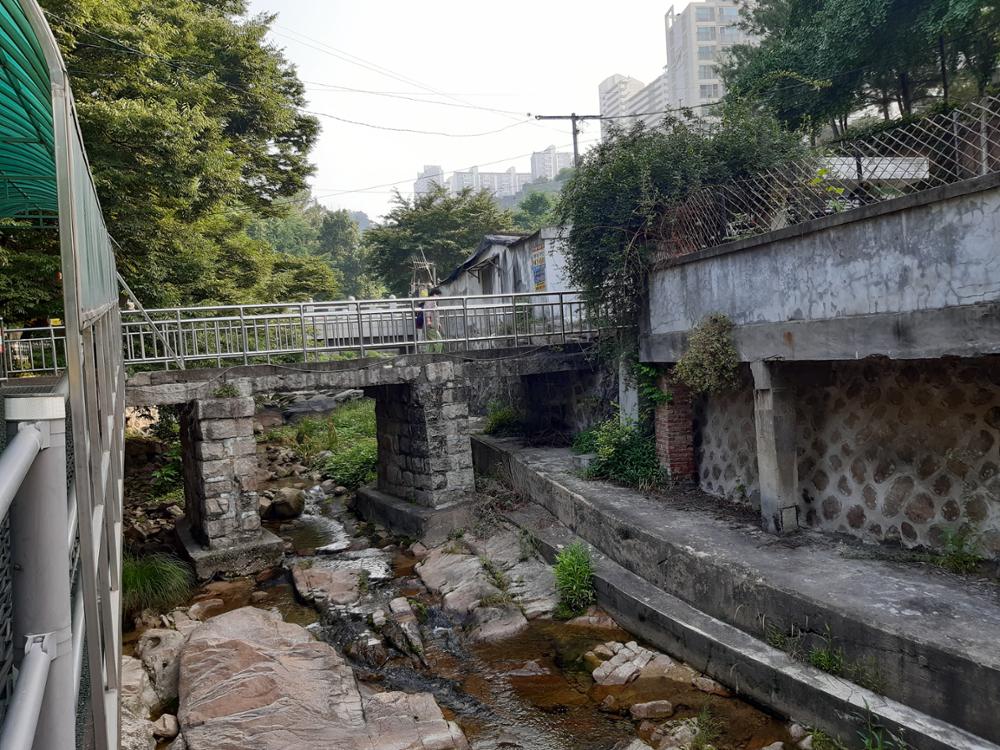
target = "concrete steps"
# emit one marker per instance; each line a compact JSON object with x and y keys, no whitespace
{"x":706,"y":588}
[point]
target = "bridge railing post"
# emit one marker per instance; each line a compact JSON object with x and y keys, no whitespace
{"x":361,"y":329}
{"x":302,"y":331}
{"x":245,"y":345}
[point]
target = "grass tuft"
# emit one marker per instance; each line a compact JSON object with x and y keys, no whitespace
{"x":158,"y":582}
{"x":574,"y":580}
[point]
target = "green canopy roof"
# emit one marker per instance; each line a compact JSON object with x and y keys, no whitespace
{"x":27,"y":162}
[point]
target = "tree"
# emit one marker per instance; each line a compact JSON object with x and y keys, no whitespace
{"x":534,"y":211}
{"x":437,"y":226}
{"x":618,"y":200}
{"x":193,"y":127}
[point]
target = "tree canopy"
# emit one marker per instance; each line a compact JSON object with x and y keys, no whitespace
{"x":619,"y":197}
{"x":820,"y":61}
{"x":440,"y":227}
{"x":193,"y":128}
{"x":534,"y":211}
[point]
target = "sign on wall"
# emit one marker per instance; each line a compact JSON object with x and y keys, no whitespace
{"x":538,"y":264}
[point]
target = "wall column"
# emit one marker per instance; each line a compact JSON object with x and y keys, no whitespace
{"x":222,"y":530}
{"x":774,"y":419}
{"x":674,"y":427}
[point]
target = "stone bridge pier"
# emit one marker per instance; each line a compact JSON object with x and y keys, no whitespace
{"x":425,"y":472}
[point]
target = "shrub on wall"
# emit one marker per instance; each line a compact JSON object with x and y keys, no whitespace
{"x":625,"y":454}
{"x":711,"y":362}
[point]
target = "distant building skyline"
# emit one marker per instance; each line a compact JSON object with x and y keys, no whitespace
{"x":549,"y":162}
{"x":695,"y":39}
{"x":545,"y":165}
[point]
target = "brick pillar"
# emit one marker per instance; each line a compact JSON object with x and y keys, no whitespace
{"x":424,"y":449}
{"x":674,"y":427}
{"x":220,"y":471}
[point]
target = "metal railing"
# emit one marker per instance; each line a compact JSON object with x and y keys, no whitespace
{"x":42,"y":621}
{"x":929,"y":152}
{"x":307,"y":331}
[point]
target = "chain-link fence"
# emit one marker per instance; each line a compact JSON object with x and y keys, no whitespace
{"x":929,"y":152}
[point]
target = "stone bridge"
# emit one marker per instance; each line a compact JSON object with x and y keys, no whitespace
{"x":422,"y":414}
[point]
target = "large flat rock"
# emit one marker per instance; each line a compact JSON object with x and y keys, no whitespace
{"x":250,"y":680}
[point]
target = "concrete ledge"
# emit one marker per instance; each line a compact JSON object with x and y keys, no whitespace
{"x":933,"y":636}
{"x":432,"y":526}
{"x":238,"y":560}
{"x":741,"y":662}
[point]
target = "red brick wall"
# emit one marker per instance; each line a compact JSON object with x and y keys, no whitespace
{"x":675,"y":433}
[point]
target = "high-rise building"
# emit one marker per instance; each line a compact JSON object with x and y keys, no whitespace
{"x":615,"y":93}
{"x":545,"y":165}
{"x":697,"y":38}
{"x":431,"y":175}
{"x":500,"y":184}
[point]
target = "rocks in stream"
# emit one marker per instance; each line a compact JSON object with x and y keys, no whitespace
{"x":159,"y":649}
{"x":325,"y":585}
{"x":496,"y":623}
{"x":137,"y":697}
{"x":288,"y":503}
{"x":248,"y":679}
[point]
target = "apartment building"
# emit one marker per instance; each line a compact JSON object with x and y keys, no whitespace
{"x":431,"y":175}
{"x":548,"y":163}
{"x":615,"y":92}
{"x":501,"y":184}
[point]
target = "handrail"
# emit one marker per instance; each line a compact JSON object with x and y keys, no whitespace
{"x":15,"y":462}
{"x":18,"y":730}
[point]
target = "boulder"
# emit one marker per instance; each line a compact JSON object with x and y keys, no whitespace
{"x":160,"y":650}
{"x":206,"y":608}
{"x":708,"y":685}
{"x":249,"y":680}
{"x":661,"y":709}
{"x":459,"y":578}
{"x":288,"y":503}
{"x":166,"y":727}
{"x":318,"y":585}
{"x":496,"y":623}
{"x":137,"y":697}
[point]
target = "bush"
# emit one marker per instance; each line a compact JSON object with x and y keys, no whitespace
{"x":169,"y":477}
{"x":574,"y":580}
{"x":159,"y":582}
{"x":711,"y":362}
{"x":353,"y":464}
{"x":586,"y":441}
{"x":502,"y":419}
{"x":625,"y":454}
{"x":311,"y":436}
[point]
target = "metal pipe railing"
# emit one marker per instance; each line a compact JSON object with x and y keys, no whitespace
{"x":18,"y":731}
{"x":15,"y":463}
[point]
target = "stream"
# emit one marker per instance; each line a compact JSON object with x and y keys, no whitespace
{"x":532,"y":691}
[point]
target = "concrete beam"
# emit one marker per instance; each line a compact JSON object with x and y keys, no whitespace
{"x":777,"y":467}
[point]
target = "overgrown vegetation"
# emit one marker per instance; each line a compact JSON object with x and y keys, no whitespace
{"x":710,"y":728}
{"x":353,"y":463}
{"x":876,"y":737}
{"x":158,"y":582}
{"x":170,"y":474}
{"x":625,"y":454}
{"x":711,"y":363}
{"x":827,"y":656}
{"x":960,"y":552}
{"x":574,"y":572}
{"x":496,"y":497}
{"x":352,"y":422}
{"x":502,"y":419}
{"x":618,"y":199}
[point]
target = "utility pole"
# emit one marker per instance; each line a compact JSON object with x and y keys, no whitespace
{"x":574,"y":118}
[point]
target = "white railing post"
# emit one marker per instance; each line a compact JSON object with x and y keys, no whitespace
{"x":39,"y":519}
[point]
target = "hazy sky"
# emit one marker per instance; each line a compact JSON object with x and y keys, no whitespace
{"x":538,"y":56}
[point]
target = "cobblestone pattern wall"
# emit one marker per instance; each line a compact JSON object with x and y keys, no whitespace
{"x":559,"y":405}
{"x":887,"y":451}
{"x":220,"y":471}
{"x":726,"y":445}
{"x":424,"y":451}
{"x":903,"y":450}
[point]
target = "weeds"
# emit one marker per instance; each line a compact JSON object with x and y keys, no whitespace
{"x":353,"y":464}
{"x":625,"y":454}
{"x":586,"y":441}
{"x":349,"y":425}
{"x":502,"y":419}
{"x":710,"y":728}
{"x":226,"y":390}
{"x":876,"y":737}
{"x":495,"y":574}
{"x":827,"y":657}
{"x":574,"y":572}
{"x":961,"y":551}
{"x":364,"y":580}
{"x":157,"y":582}
{"x":169,"y":476}
{"x":822,"y":741}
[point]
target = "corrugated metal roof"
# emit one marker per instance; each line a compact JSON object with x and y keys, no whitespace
{"x":27,"y":160}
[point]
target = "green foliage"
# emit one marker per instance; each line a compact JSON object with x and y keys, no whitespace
{"x":711,"y":363}
{"x":586,"y":441}
{"x":616,"y":203}
{"x":495,"y":574}
{"x":353,"y":464}
{"x":168,"y":477}
{"x":828,"y":659}
{"x":443,"y":228}
{"x":625,"y":454}
{"x":535,"y":211}
{"x":822,"y":741}
{"x":193,"y":127}
{"x":226,"y":390}
{"x":647,"y":383}
{"x":876,"y":737}
{"x":502,"y":419}
{"x":821,"y":60}
{"x":157,"y":582}
{"x":574,"y":572}
{"x":961,"y":551}
{"x":710,"y":728}
{"x":350,"y":423}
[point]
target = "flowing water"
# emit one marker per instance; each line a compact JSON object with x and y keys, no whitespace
{"x":532,"y":691}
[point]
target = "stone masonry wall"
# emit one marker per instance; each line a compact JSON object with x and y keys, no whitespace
{"x":220,"y":471}
{"x":887,"y":450}
{"x":726,"y":446}
{"x":566,"y":403}
{"x":424,"y":450}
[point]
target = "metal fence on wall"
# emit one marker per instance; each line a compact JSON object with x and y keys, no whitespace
{"x":907,"y":158}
